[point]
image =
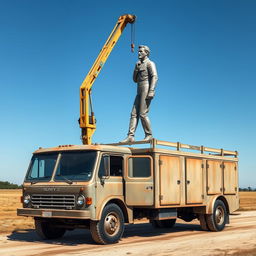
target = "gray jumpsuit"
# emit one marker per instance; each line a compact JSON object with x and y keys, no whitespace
{"x":145,"y":75}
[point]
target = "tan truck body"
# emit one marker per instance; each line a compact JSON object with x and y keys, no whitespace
{"x":177,"y":183}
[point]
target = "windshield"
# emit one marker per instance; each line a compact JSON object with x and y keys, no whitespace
{"x":41,"y":167}
{"x":75,"y":166}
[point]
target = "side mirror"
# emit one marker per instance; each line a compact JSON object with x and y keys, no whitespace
{"x":106,"y":160}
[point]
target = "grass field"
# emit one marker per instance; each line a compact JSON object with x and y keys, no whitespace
{"x":247,"y":201}
{"x":10,"y":201}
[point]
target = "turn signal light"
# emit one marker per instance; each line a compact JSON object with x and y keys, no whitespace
{"x":88,"y":200}
{"x":21,"y":199}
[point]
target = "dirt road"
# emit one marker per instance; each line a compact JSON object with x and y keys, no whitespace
{"x":239,"y":238}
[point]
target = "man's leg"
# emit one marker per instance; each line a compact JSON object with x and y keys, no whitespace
{"x":134,"y":117}
{"x":133,"y":121}
{"x":144,"y":109}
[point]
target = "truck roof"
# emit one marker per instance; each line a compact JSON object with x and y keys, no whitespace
{"x":157,"y":146}
{"x":98,"y":147}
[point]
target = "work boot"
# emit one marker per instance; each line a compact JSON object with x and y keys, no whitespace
{"x":148,"y":137}
{"x":129,"y":139}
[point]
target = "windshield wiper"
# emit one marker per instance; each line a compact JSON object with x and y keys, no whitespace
{"x":36,"y":181}
{"x":66,"y":179}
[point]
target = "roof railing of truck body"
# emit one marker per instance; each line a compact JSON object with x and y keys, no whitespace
{"x":179,"y":146}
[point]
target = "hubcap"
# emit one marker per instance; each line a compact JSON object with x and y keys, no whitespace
{"x":219,"y":215}
{"x":112,"y":224}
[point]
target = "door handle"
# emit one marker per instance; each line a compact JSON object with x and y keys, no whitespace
{"x":188,"y":181}
{"x":149,"y":187}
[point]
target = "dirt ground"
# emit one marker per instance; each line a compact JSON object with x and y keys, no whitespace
{"x":18,"y":238}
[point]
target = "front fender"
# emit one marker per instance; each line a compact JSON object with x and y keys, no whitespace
{"x":119,"y":200}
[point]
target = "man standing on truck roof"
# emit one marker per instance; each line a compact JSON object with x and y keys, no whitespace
{"x":145,"y":75}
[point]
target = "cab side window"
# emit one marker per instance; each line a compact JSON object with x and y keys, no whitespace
{"x":116,"y":166}
{"x":139,"y":167}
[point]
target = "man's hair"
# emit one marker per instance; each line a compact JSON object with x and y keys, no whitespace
{"x":146,"y":49}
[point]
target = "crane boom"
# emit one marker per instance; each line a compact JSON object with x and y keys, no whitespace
{"x":87,"y":119}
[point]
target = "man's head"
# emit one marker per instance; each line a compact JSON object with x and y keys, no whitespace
{"x":144,"y":51}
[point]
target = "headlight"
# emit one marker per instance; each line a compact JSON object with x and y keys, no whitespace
{"x":26,"y":199}
{"x":80,"y":200}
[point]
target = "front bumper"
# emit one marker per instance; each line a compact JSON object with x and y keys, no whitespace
{"x":53,"y":213}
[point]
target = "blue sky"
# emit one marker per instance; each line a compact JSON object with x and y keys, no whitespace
{"x":205,"y":52}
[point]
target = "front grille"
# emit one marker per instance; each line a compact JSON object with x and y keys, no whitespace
{"x":53,"y":201}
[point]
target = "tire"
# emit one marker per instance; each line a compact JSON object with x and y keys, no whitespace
{"x":47,"y":230}
{"x":163,"y":223}
{"x":203,"y":224}
{"x":218,"y":219}
{"x":110,"y":228}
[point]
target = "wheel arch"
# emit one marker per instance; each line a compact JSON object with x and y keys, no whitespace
{"x":119,"y":203}
{"x":122,"y":206}
{"x":210,"y":207}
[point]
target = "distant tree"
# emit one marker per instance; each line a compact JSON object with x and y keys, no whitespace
{"x":8,"y":185}
{"x":247,"y":189}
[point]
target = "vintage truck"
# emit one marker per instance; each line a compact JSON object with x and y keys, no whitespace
{"x":102,"y":187}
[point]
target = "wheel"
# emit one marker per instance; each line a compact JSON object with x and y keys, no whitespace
{"x":110,"y":228}
{"x":47,"y":230}
{"x":163,"y":223}
{"x":218,"y":219}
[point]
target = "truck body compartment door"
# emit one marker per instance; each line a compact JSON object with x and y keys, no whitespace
{"x":194,"y":181}
{"x":170,"y":180}
{"x":230,"y":178}
{"x":214,"y":177}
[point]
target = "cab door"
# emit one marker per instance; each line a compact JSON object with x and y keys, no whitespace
{"x":139,"y":186}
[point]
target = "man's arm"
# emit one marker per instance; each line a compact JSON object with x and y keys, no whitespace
{"x":152,"y":74}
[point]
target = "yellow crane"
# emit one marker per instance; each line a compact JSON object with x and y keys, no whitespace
{"x":87,"y":119}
